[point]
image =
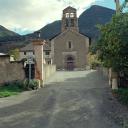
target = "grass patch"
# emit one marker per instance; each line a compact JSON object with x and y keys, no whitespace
{"x":122,"y":95}
{"x":9,"y":90}
{"x":15,"y":87}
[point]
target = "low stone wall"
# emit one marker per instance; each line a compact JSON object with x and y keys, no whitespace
{"x":105,"y":72}
{"x":111,"y":76}
{"x":48,"y":70}
{"x":10,"y":71}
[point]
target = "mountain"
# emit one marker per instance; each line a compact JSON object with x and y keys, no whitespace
{"x":87,"y":22}
{"x":5,"y":32}
{"x":87,"y":26}
{"x":9,"y":36}
{"x":47,"y":31}
{"x":51,"y":30}
{"x":93,"y":16}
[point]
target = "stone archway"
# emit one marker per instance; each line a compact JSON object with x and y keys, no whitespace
{"x":70,"y":63}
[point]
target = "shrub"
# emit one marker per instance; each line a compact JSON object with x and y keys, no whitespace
{"x":30,"y":84}
{"x":93,"y":61}
{"x":122,"y":95}
{"x":14,"y":85}
{"x":19,"y":84}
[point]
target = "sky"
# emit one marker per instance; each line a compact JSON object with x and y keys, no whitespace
{"x":26,"y":16}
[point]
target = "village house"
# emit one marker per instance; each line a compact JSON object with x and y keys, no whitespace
{"x":28,"y":50}
{"x":39,"y":67}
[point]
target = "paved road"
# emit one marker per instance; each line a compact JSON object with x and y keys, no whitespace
{"x":79,"y":99}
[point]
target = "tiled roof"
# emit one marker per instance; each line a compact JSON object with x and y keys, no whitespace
{"x":69,"y":7}
{"x":71,"y":31}
{"x":30,"y":47}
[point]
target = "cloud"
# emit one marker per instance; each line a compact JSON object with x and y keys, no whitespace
{"x":25,"y":16}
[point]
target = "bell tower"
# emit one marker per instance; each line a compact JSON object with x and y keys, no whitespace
{"x":69,"y":19}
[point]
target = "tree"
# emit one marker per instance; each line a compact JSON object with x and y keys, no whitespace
{"x":93,"y":60}
{"x":112,"y":46}
{"x":14,"y":53}
{"x":124,"y":5}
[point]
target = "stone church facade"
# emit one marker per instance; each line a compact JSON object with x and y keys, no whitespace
{"x":69,"y":49}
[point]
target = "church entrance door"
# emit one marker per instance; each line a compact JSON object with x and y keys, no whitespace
{"x":70,"y":63}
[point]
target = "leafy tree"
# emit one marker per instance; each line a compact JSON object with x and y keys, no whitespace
{"x":14,"y":53}
{"x":93,"y":60}
{"x":113,"y":44}
{"x":124,"y":5}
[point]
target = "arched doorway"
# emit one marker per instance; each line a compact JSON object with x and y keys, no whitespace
{"x":70,"y":63}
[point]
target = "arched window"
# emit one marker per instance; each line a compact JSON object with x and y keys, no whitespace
{"x":72,"y":15}
{"x":69,"y":45}
{"x":67,"y":15}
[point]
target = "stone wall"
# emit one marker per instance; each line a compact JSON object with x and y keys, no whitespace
{"x":48,"y":71}
{"x":10,"y":71}
{"x":111,"y":76}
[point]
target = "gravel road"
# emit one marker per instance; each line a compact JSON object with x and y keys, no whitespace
{"x":79,"y":99}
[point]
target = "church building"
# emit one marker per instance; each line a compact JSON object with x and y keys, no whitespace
{"x":69,"y":49}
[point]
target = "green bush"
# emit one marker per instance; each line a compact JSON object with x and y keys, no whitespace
{"x":122,"y":95}
{"x":19,"y":84}
{"x":94,"y":65}
{"x":15,"y":85}
{"x":30,"y":84}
